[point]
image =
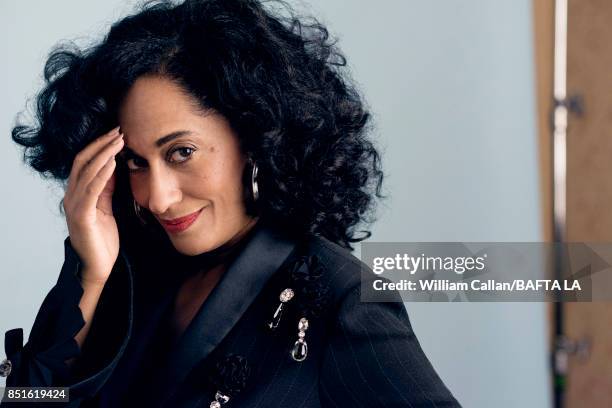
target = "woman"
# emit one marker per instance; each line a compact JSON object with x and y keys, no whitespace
{"x":217,"y":166}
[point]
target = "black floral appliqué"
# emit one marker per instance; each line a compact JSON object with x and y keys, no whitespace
{"x":231,"y":374}
{"x":306,"y":275}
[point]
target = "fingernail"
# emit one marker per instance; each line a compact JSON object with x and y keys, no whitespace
{"x":118,"y":140}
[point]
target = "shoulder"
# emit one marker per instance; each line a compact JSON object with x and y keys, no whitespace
{"x":343,"y":272}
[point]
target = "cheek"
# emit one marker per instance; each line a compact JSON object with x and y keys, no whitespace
{"x":220,"y":180}
{"x":228,"y":182}
{"x":137,"y":189}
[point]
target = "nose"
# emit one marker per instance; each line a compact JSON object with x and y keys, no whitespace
{"x":164,"y":190}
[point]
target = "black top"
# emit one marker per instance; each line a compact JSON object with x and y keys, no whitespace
{"x":360,"y":354}
{"x":138,"y":389}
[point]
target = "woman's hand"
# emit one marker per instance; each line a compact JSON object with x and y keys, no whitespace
{"x":88,"y":206}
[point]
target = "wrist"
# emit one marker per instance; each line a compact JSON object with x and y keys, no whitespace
{"x":92,"y":282}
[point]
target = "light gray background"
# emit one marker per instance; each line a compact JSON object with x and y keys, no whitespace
{"x":451,"y":86}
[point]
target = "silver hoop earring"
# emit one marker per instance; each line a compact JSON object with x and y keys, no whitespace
{"x":254,"y":184}
{"x":138,"y":212}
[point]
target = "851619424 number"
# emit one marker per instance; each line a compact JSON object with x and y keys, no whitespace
{"x":34,"y":394}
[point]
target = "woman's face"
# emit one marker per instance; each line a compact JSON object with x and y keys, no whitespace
{"x":183,"y":161}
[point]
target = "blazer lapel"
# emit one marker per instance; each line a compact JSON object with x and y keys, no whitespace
{"x":262,"y":255}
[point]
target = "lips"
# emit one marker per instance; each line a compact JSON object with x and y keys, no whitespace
{"x":182,"y":223}
{"x":179,"y":220}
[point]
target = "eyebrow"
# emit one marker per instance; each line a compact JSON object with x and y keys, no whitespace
{"x":171,"y":136}
{"x":161,"y":141}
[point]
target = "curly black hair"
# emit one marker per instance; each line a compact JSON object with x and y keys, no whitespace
{"x":278,"y":78}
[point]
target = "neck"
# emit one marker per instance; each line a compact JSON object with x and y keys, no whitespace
{"x":191,"y":264}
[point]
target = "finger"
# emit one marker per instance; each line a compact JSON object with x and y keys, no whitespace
{"x":89,"y":171}
{"x":87,"y":153}
{"x":99,"y":192}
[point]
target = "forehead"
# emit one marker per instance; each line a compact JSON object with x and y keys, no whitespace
{"x":156,"y":103}
{"x":156,"y":106}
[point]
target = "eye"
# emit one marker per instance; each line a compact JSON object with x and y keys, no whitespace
{"x":175,"y":156}
{"x":134,"y":163}
{"x":180,"y":154}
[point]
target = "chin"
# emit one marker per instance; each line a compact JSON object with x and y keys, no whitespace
{"x":189,"y":245}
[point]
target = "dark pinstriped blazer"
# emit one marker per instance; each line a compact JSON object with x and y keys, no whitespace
{"x":359,"y":354}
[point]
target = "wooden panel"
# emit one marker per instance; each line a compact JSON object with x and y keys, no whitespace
{"x":589,"y":189}
{"x":543,"y":37}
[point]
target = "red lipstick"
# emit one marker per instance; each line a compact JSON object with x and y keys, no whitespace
{"x":180,"y":224}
